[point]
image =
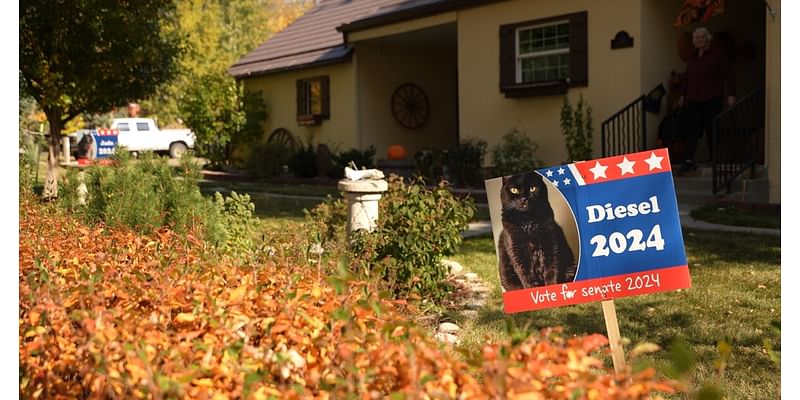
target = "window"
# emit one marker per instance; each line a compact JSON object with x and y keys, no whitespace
{"x":313,"y":100}
{"x":123,"y":127}
{"x":543,"y":57}
{"x":142,"y":126}
{"x":543,"y":53}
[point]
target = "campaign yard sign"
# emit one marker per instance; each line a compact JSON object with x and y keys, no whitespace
{"x":106,"y":140}
{"x":96,"y":146}
{"x":588,"y":231}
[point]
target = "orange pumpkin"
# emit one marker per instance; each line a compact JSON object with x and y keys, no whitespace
{"x":396,"y":152}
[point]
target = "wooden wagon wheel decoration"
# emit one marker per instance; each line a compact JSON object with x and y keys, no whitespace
{"x":284,"y":137}
{"x":410,"y":106}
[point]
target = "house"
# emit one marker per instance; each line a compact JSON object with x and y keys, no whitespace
{"x":428,"y":73}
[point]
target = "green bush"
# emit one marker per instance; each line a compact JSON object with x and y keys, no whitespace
{"x":236,"y":213}
{"x":577,"y":130}
{"x":268,"y":159}
{"x":515,"y":155}
{"x":429,"y":164}
{"x":329,"y":220}
{"x":148,"y":194}
{"x":465,"y":163}
{"x":362,"y":159}
{"x":303,"y":163}
{"x":222,"y":115}
{"x":416,"y":228}
{"x":27,"y":167}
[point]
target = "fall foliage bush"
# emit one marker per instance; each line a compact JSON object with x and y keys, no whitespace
{"x":417,"y":227}
{"x":148,"y":194}
{"x":111,"y":313}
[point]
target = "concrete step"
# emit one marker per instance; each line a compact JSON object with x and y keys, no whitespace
{"x":695,"y":198}
{"x":692,"y":183}
{"x":747,"y":191}
{"x":695,"y":187}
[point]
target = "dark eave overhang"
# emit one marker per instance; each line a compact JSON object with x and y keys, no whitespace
{"x":241,"y":71}
{"x":401,"y":15}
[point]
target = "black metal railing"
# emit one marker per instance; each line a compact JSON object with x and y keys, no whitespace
{"x":737,"y":138}
{"x":626,"y":131}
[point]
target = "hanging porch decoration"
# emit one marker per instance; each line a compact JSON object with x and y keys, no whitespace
{"x":698,"y":10}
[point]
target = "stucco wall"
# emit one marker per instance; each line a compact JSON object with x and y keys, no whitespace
{"x":659,"y":54}
{"x":614,"y":75}
{"x":773,"y":96}
{"x":382,"y":67}
{"x":280,"y":93}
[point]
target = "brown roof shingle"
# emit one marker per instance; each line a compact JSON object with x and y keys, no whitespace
{"x":310,"y":40}
{"x":410,"y":9}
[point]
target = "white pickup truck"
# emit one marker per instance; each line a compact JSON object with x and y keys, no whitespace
{"x":142,"y":134}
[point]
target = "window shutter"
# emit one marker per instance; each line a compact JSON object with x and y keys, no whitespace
{"x":325,"y":89}
{"x":301,"y":98}
{"x":578,"y":50}
{"x":508,"y":53}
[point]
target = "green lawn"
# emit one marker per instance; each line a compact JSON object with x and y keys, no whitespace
{"x":735,"y":295}
{"x":294,"y":189}
{"x":276,"y":211}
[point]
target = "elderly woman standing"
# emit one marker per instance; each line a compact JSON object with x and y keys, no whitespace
{"x":708,"y":79}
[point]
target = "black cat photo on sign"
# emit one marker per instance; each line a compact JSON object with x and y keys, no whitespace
{"x":537,"y":240}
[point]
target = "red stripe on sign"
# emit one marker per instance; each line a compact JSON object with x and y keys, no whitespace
{"x":625,"y":166}
{"x":107,"y":132}
{"x":607,"y":288}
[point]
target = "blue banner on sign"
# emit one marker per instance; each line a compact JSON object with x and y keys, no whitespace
{"x":627,"y":226}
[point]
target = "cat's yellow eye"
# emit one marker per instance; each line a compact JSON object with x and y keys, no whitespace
{"x":533,"y":189}
{"x":514,"y":190}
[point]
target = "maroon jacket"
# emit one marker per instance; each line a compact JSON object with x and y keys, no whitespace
{"x":707,"y":77}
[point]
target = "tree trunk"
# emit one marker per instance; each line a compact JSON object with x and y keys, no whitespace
{"x":50,"y":190}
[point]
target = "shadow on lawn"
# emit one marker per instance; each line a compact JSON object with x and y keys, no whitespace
{"x":637,"y":319}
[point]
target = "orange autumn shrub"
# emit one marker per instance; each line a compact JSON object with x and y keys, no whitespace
{"x":108,"y":313}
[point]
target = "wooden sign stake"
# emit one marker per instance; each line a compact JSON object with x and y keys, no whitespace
{"x":617,"y":354}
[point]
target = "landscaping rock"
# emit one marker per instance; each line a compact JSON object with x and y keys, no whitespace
{"x":449,"y":327}
{"x":481,"y":290}
{"x":475,"y":304}
{"x":448,"y":338}
{"x":454,"y":267}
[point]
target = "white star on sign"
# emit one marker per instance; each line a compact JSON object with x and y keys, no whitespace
{"x":561,"y":171}
{"x":555,"y":183}
{"x":626,"y":166}
{"x":654,"y":161}
{"x":549,"y":173}
{"x":567,"y":181}
{"x":598,"y":170}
